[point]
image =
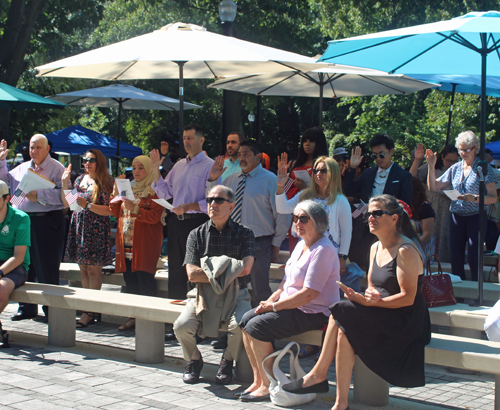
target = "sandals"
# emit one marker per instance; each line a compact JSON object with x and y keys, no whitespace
{"x":4,"y":338}
{"x":308,"y":350}
{"x":94,"y":317}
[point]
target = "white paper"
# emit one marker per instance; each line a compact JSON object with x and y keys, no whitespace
{"x":31,"y":181}
{"x":304,"y":176}
{"x":164,"y":203}
{"x":74,"y":206}
{"x":124,"y":186}
{"x":453,"y":194}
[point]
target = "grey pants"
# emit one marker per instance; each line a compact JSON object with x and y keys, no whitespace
{"x":187,"y":325}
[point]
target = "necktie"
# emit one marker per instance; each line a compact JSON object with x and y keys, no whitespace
{"x":236,"y":213}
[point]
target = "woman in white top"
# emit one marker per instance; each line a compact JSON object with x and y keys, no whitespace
{"x":325,"y":189}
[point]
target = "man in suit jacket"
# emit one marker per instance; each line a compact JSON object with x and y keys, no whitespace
{"x":386,"y":177}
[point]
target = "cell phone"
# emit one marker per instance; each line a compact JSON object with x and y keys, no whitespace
{"x":342,"y":286}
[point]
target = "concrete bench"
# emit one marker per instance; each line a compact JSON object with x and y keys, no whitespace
{"x":463,"y":320}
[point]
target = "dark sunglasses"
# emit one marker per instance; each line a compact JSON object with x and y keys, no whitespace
{"x":303,"y":218}
{"x":89,"y":160}
{"x":378,"y":213}
{"x":217,"y":199}
{"x":381,"y":156}
{"x":320,"y":171}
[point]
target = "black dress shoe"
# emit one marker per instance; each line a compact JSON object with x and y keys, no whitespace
{"x":250,"y":397}
{"x":296,"y":387}
{"x":170,"y":337}
{"x":225,"y":373}
{"x":241,"y":393}
{"x":20,"y":315}
{"x":220,"y":343}
{"x":193,"y":370}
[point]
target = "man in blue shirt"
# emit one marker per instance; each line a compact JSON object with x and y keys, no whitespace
{"x":232,"y":164}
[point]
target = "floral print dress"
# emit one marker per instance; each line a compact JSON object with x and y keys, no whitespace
{"x":89,"y":237}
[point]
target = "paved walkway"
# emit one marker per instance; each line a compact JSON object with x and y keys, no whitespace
{"x":99,"y":373}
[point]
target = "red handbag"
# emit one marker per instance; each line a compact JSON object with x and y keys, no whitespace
{"x":437,"y":289}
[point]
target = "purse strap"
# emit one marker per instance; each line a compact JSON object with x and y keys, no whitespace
{"x":428,"y":270}
{"x":280,"y":354}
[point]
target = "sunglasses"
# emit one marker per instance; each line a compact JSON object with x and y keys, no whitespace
{"x":89,"y":160}
{"x":217,"y":199}
{"x":378,"y":213}
{"x":381,"y":156}
{"x":320,"y":171}
{"x":303,"y":218}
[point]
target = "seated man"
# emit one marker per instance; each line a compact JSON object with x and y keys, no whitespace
{"x":220,"y":236}
{"x":14,"y":253}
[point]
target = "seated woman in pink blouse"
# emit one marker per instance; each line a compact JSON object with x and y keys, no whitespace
{"x":301,"y":302}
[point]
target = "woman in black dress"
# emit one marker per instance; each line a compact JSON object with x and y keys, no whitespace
{"x":387,"y":327}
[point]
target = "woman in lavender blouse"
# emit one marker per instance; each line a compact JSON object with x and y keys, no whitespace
{"x":301,"y":302}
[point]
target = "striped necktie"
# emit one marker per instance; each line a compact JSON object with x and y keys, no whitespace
{"x":236,"y":213}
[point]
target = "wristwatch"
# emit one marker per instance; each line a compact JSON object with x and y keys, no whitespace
{"x":343,"y":256}
{"x":1,"y":273}
{"x":274,"y":308}
{"x":89,"y":205}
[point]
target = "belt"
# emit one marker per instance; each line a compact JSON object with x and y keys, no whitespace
{"x":39,"y":214}
{"x":189,"y":216}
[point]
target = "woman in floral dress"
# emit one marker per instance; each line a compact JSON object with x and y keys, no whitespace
{"x":89,"y":238}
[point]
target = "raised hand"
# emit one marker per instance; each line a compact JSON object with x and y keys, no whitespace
{"x":217,"y":168}
{"x":431,"y":157}
{"x":115,"y":187}
{"x":156,"y":159}
{"x":356,"y":157}
{"x":65,"y":177}
{"x":283,"y":161}
{"x":419,"y":152}
{"x":3,"y":150}
{"x":282,"y":176}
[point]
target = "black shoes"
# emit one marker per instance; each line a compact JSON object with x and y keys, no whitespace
{"x":193,"y":370}
{"x":170,"y":337}
{"x":225,"y":373}
{"x":220,"y":343}
{"x":296,"y":387}
{"x":20,"y":315}
{"x":250,"y":397}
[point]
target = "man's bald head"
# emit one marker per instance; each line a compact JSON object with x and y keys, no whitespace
{"x":39,"y":148}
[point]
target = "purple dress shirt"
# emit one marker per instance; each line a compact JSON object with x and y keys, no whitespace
{"x":187,"y":182}
{"x":48,"y":199}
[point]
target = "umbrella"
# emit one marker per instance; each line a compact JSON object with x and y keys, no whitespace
{"x":121,"y":96}
{"x":180,"y":51}
{"x":334,"y":82}
{"x":13,"y":98}
{"x":460,"y":46}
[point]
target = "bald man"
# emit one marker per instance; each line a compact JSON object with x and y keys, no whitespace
{"x":45,"y":209}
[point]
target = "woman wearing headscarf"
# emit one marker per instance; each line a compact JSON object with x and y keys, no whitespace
{"x":139,"y":234}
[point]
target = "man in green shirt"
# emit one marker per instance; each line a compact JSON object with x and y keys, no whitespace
{"x":14,"y":253}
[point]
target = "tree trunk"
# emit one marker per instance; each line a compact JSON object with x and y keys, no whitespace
{"x":231,"y":115}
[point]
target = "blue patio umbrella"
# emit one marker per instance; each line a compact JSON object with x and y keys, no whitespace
{"x":465,"y":45}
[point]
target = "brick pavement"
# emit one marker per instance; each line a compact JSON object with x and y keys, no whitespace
{"x":99,"y":373}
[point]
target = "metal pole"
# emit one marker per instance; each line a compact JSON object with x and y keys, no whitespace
{"x":259,"y":118}
{"x":119,"y":132}
{"x":450,"y":114}
{"x":181,"y":107}
{"x":321,"y":100}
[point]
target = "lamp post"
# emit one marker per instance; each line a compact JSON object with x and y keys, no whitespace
{"x":251,"y":119}
{"x":227,"y":14}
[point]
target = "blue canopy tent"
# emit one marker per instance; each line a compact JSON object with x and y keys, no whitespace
{"x":495,"y":148}
{"x":77,"y":140}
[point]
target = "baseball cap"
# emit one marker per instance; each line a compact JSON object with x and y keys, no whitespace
{"x":4,"y":188}
{"x":339,"y":151}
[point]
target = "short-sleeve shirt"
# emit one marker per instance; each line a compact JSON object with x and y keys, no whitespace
{"x":426,"y":211}
{"x":318,"y":268}
{"x":467,"y":185}
{"x":15,"y":230}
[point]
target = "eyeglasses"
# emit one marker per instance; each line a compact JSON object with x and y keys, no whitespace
{"x":320,"y":170}
{"x":303,"y":218}
{"x":217,"y":199}
{"x":451,"y":161}
{"x":377,"y":214}
{"x":466,"y":151}
{"x":381,"y":156}
{"x":89,"y":160}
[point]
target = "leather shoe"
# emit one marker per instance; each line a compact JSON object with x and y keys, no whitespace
{"x":193,"y":370}
{"x":241,"y":393}
{"x":170,"y":337}
{"x":251,"y":397}
{"x":20,"y":315}
{"x":225,"y":373}
{"x":220,"y":343}
{"x":296,"y":387}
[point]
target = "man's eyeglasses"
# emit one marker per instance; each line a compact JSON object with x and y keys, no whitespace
{"x":377,"y":214}
{"x":320,"y":170}
{"x":381,"y":156}
{"x":89,"y":160}
{"x":217,"y":199}
{"x":303,"y":218}
{"x":466,"y":151}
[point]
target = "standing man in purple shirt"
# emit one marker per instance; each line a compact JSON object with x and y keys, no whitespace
{"x":45,"y":209}
{"x":187,"y":184}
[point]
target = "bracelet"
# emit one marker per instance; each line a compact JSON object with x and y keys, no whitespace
{"x":274,"y":307}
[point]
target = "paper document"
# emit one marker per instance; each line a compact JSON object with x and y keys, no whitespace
{"x":32,"y":182}
{"x":125,"y":189}
{"x":74,"y":205}
{"x":453,"y":194}
{"x":164,"y":203}
{"x":304,"y":176}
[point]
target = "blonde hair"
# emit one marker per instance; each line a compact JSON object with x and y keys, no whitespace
{"x":334,"y":184}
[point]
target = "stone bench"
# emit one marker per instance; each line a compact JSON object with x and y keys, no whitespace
{"x":462,"y":319}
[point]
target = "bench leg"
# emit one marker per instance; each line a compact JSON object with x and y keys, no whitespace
{"x":369,"y":389}
{"x":149,"y":341}
{"x":243,"y":372}
{"x":62,"y":327}
{"x":497,"y":392}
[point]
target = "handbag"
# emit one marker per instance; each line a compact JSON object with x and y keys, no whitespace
{"x":437,"y":289}
{"x":280,"y":397}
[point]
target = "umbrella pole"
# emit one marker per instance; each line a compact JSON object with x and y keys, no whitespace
{"x":320,"y":100}
{"x":118,"y":142}
{"x":450,"y":114}
{"x":259,"y":119}
{"x":181,"y":106}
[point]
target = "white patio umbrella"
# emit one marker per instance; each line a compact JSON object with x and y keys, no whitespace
{"x":333,"y":82}
{"x":121,"y":96}
{"x":180,"y":51}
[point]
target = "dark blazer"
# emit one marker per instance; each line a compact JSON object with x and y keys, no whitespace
{"x":399,"y":184}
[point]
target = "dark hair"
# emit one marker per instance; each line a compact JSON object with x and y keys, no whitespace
{"x":448,"y":149}
{"x":316,"y":135}
{"x":382,"y":139}
{"x":5,"y":196}
{"x":239,"y":134}
{"x":419,"y":196}
{"x":488,"y":151}
{"x":197,"y":129}
{"x":253,"y":145}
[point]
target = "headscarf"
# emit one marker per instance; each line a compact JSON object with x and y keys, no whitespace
{"x":143,"y":188}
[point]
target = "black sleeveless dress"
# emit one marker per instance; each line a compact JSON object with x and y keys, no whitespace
{"x":390,"y":342}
